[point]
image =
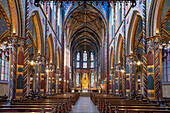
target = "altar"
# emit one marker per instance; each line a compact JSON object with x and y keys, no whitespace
{"x":84,"y":80}
{"x":84,"y":90}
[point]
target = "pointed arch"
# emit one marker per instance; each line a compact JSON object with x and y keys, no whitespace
{"x":35,"y":17}
{"x":58,"y":58}
{"x":51,"y":48}
{"x":119,"y":49}
{"x":32,"y":40}
{"x":132,"y":31}
{"x":14,"y":16}
{"x":111,"y":57}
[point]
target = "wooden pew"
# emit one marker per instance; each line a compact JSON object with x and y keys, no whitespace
{"x":110,"y":104}
{"x":26,"y":109}
{"x":57,"y":103}
{"x":139,"y":111}
{"x":3,"y":98}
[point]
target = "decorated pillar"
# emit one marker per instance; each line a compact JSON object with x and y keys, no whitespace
{"x":38,"y":72}
{"x":53,"y":80}
{"x":50,"y":84}
{"x":119,"y":79}
{"x":157,"y":68}
{"x":150,"y":68}
{"x":26,"y":50}
{"x":114,"y":57}
{"x":144,"y":84}
{"x":132,"y":80}
{"x":20,"y":64}
{"x":108,"y":83}
{"x":128,"y":74}
{"x":14,"y":65}
{"x":42,"y":75}
{"x":62,"y":64}
{"x":124,"y":51}
{"x":46,"y":52}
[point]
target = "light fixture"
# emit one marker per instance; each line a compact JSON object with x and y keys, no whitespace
{"x":47,"y":70}
{"x":164,"y":44}
{"x":32,"y":62}
{"x":139,"y":63}
{"x":31,"y":78}
{"x":122,"y":70}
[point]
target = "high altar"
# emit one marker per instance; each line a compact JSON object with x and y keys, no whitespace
{"x":85,"y":81}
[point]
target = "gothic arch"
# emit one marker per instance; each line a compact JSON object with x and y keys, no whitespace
{"x":155,"y":15}
{"x":119,"y":49}
{"x":14,"y":16}
{"x":111,"y":58}
{"x":132,"y":31}
{"x":58,"y":58}
{"x":32,"y":40}
{"x":35,"y":17}
{"x":51,"y":48}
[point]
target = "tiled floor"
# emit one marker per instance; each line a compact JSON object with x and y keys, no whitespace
{"x":84,"y":105}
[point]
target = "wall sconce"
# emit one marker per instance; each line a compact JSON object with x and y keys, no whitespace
{"x":139,"y":63}
{"x":122,"y":70}
{"x":32,"y":62}
{"x":47,"y":70}
{"x":59,"y":79}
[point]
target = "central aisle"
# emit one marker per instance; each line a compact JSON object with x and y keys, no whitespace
{"x":84,"y":105}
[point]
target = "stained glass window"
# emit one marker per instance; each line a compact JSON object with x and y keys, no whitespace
{"x":92,"y":64}
{"x":91,"y":60}
{"x":92,"y":80}
{"x":84,"y":64}
{"x":78,"y":79}
{"x":166,"y":64}
{"x":78,"y":60}
{"x":78,"y":64}
{"x":4,"y":63}
{"x":78,"y":56}
{"x":91,"y":56}
{"x":84,"y":56}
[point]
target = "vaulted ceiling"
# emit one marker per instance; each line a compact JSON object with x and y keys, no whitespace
{"x":85,"y":27}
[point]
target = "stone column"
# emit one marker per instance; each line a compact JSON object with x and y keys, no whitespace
{"x":14,"y":66}
{"x":150,"y":69}
{"x":157,"y":68}
{"x":20,"y":83}
{"x":42,"y":75}
{"x":144,"y":84}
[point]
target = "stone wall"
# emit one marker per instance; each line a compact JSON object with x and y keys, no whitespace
{"x":166,"y":90}
{"x":3,"y":89}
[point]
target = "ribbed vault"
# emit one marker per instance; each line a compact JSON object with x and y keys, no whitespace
{"x":85,"y":27}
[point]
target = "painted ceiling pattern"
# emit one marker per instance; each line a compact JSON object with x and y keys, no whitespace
{"x":85,"y":26}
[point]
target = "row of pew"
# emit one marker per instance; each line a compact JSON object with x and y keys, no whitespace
{"x":107,"y":103}
{"x":61,"y":103}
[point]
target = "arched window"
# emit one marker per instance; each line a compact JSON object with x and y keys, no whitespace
{"x":91,"y":60}
{"x":91,"y":56}
{"x":78,"y":60}
{"x":78,"y":56}
{"x":78,"y":79}
{"x":4,"y":62}
{"x":92,"y":80}
{"x":166,"y":63}
{"x":84,"y":56}
{"x":85,"y":59}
